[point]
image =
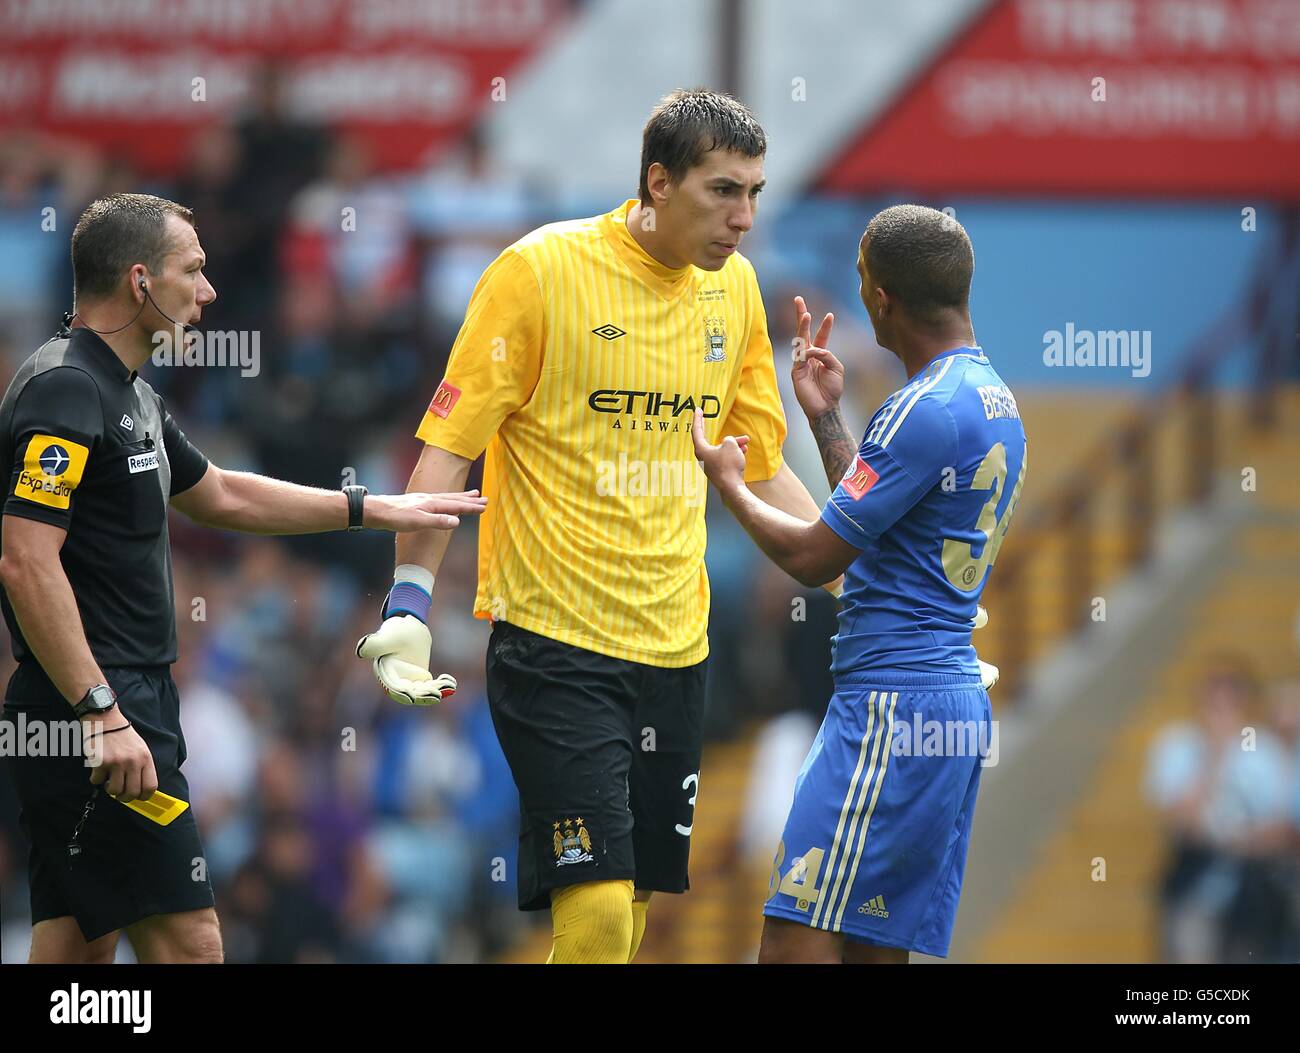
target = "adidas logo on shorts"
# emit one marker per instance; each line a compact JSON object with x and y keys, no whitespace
{"x":874,"y":907}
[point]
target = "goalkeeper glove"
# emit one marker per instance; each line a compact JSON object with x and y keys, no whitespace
{"x":988,"y":672}
{"x":400,"y":648}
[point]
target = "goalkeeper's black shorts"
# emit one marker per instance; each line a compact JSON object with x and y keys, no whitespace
{"x":123,"y":867}
{"x":606,"y":756}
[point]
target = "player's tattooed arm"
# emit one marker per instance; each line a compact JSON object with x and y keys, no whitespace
{"x":835,"y":443}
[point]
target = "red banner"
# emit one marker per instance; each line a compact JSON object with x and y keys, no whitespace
{"x":1193,"y":97}
{"x":140,"y":76}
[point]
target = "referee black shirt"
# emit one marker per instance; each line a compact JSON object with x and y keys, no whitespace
{"x":92,"y":449}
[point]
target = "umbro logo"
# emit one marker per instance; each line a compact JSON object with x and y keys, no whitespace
{"x":609,"y":332}
{"x":127,"y":423}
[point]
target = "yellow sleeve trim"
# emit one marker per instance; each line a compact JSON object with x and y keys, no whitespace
{"x":427,"y":433}
{"x":754,"y":470}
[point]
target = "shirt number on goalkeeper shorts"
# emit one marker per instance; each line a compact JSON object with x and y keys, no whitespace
{"x":687,"y":783}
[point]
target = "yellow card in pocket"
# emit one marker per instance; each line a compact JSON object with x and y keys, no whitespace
{"x":161,"y":808}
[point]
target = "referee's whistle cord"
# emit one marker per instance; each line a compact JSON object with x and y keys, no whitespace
{"x":74,"y":848}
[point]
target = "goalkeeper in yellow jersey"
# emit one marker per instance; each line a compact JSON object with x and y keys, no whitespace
{"x":585,"y":352}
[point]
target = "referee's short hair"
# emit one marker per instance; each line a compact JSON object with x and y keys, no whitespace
{"x":117,"y":232}
{"x":923,"y":257}
{"x":687,"y":124}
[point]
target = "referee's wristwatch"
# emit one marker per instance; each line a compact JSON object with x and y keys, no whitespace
{"x":99,"y":699}
{"x":356,"y":506}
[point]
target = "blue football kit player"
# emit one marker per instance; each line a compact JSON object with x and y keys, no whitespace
{"x":874,"y":848}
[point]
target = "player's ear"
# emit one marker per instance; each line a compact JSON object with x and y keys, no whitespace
{"x":137,"y":280}
{"x":658,"y":182}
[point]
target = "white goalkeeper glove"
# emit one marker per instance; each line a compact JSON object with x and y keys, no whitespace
{"x":400,"y":650}
{"x":988,"y":672}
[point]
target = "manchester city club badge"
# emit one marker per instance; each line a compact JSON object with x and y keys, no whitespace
{"x":572,"y":844}
{"x":715,"y":337}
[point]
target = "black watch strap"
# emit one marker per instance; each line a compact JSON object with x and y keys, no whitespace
{"x":356,"y":506}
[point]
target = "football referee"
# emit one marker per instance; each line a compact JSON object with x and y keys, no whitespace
{"x":95,"y":459}
{"x":585,"y":351}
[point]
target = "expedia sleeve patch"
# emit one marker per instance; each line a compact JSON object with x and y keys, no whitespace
{"x":52,"y":469}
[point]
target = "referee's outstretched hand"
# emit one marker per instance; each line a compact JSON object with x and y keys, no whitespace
{"x":122,"y":762}
{"x":406,"y":512}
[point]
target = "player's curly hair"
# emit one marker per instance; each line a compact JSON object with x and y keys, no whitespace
{"x":687,"y":124}
{"x":923,"y":257}
{"x":115,"y":233}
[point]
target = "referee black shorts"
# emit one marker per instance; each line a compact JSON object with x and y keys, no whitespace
{"x":128,"y":867}
{"x":606,"y":756}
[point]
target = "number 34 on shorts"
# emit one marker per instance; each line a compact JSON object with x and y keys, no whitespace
{"x":800,"y":882}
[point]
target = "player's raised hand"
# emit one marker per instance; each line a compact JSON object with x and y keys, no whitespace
{"x":406,"y":512}
{"x":817,"y":374}
{"x":724,"y":463}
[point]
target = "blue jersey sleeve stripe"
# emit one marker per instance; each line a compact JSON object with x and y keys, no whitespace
{"x":889,"y":408}
{"x":927,"y":386}
{"x":886,"y":411}
{"x":858,"y":536}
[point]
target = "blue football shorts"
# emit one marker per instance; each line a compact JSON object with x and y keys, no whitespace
{"x":875,"y":843}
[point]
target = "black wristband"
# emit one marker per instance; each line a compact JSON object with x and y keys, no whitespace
{"x":112,"y":731}
{"x":356,"y":506}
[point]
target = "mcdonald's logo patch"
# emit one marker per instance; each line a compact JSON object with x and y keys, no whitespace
{"x":860,"y":478}
{"x":444,"y":399}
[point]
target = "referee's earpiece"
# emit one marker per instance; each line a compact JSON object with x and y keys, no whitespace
{"x":144,"y":288}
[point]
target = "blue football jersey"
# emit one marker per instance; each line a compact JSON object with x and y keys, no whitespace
{"x":928,"y":500}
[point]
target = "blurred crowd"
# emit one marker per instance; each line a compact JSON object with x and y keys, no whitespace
{"x":338,"y":825}
{"x":1227,"y":787}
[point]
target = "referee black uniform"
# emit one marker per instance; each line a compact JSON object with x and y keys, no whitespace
{"x":92,"y":450}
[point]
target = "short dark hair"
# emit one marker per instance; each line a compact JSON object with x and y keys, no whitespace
{"x":687,"y":124}
{"x":117,"y":232}
{"x":923,"y":257}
